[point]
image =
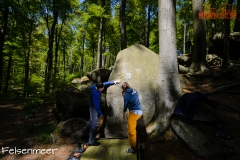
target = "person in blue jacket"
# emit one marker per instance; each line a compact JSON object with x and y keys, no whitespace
{"x":132,"y":103}
{"x":90,"y":130}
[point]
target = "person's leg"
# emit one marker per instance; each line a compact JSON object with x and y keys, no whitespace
{"x":86,"y":130}
{"x":132,"y":133}
{"x":94,"y":126}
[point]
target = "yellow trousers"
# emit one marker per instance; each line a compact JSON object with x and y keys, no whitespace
{"x":132,"y":133}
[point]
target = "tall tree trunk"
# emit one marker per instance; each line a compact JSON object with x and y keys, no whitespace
{"x":3,"y":31}
{"x":93,"y":55}
{"x":57,"y":41}
{"x":226,"y":61}
{"x":213,"y":21}
{"x":99,"y":60}
{"x":148,"y":25}
{"x":184,"y":39}
{"x":26,"y":79}
{"x":82,"y":57}
{"x":99,"y":54}
{"x":237,"y":21}
{"x":8,"y":74}
{"x":168,"y":88}
{"x":199,"y":51}
{"x":64,"y":61}
{"x":104,"y":48}
{"x":50,"y":48}
{"x":123,"y":25}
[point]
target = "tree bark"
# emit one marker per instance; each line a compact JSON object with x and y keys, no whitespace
{"x":148,"y":25}
{"x":57,"y":42}
{"x":26,"y":79}
{"x":123,"y":25}
{"x":3,"y":31}
{"x":168,"y":89}
{"x":237,"y":21}
{"x":213,"y":21}
{"x":8,"y":75}
{"x":199,"y":63}
{"x":64,"y":61}
{"x":50,"y":48}
{"x":184,"y":39}
{"x":99,"y":54}
{"x":226,"y":61}
{"x":82,"y":57}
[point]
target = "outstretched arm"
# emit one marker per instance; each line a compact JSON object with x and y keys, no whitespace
{"x":111,"y":83}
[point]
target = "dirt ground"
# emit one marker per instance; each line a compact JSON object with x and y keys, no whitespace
{"x":15,"y":126}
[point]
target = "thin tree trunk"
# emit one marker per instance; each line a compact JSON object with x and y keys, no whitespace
{"x":148,"y":25}
{"x":104,"y":48}
{"x":93,"y":55}
{"x":58,"y":36}
{"x":237,"y":21}
{"x":64,"y":61}
{"x":50,"y":48}
{"x":82,"y":57}
{"x":26,"y":79}
{"x":99,"y":54}
{"x":123,"y":25}
{"x":8,"y":74}
{"x":184,"y":39}
{"x":213,"y":21}
{"x":226,"y":60}
{"x":3,"y":31}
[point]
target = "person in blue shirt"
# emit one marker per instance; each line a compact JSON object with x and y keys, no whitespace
{"x":90,"y":130}
{"x":132,"y":103}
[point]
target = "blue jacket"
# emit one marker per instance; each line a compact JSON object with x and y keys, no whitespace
{"x":95,"y":97}
{"x":131,"y":100}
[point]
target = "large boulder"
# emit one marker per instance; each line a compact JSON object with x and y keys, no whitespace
{"x":218,"y":45}
{"x":138,"y":66}
{"x":99,"y":75}
{"x":71,"y":102}
{"x":72,"y":128}
{"x":200,"y":133}
{"x":83,"y":80}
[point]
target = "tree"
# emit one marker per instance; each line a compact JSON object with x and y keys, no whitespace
{"x":122,"y":24}
{"x":168,"y":84}
{"x":213,"y":21}
{"x":237,"y":21}
{"x":99,"y":60}
{"x":199,"y":51}
{"x":50,"y":9}
{"x":5,"y":12}
{"x":226,"y":62}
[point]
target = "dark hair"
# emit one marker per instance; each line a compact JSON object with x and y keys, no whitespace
{"x":99,"y":85}
{"x":125,"y":86}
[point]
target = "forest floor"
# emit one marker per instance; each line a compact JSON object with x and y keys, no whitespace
{"x":17,"y":130}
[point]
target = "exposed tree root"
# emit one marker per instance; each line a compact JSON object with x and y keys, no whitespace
{"x":220,"y":88}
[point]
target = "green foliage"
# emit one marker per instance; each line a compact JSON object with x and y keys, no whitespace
{"x":31,"y":106}
{"x":77,"y":30}
{"x":44,"y":131}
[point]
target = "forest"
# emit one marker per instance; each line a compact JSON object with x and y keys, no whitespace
{"x":45,"y":44}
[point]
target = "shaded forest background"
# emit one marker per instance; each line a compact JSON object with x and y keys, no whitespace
{"x":44,"y":44}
